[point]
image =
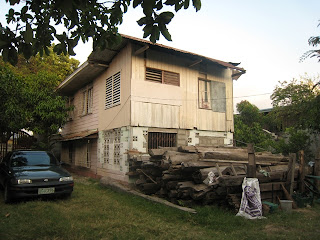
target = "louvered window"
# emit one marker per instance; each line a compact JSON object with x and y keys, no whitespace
{"x":87,"y":100}
{"x":162,"y":76}
{"x":113,"y":88}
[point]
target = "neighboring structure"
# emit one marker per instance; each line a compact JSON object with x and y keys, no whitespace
{"x":141,"y":95}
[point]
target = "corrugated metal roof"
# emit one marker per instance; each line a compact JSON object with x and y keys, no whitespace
{"x":80,"y":135}
{"x":98,"y":62}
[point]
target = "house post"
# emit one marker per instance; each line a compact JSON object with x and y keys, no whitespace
{"x":252,"y":170}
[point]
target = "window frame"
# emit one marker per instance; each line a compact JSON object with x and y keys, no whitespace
{"x":113,"y":91}
{"x":209,"y":98}
{"x":165,"y":76}
{"x":87,"y":100}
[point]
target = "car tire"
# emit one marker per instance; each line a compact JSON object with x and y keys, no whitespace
{"x":7,"y":195}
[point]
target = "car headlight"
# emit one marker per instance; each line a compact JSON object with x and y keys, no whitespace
{"x":24,"y":181}
{"x":66,"y":179}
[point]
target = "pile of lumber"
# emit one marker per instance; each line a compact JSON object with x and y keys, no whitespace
{"x":202,"y":175}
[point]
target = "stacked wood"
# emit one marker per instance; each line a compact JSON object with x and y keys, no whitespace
{"x":202,"y":175}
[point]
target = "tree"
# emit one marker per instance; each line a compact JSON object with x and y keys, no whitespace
{"x":12,"y":104}
{"x":296,"y":103}
{"x":35,"y":25}
{"x":247,"y":126}
{"x":313,"y":42}
{"x":29,"y":100}
{"x":297,"y":107}
{"x":62,"y":65}
{"x":46,"y":110}
{"x":249,"y":113}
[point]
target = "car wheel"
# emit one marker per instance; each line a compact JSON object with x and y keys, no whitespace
{"x":7,"y":195}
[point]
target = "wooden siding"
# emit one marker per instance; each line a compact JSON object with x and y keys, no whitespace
{"x":119,"y":115}
{"x":162,"y":105}
{"x":155,"y":115}
{"x":81,"y":123}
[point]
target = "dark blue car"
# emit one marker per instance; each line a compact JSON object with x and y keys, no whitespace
{"x":26,"y":174}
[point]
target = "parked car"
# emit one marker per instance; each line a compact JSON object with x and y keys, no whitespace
{"x":33,"y":174}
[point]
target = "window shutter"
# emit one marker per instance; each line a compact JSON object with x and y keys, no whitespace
{"x":113,"y":90}
{"x":109,"y":92}
{"x":154,"y":75}
{"x":116,"y":89}
{"x":171,"y":78}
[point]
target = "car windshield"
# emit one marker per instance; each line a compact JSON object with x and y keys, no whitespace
{"x":20,"y":159}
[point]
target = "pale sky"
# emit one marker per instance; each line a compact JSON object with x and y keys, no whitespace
{"x":268,"y":37}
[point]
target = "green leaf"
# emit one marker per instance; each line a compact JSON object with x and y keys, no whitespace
{"x":165,"y":32}
{"x":136,"y":3}
{"x":5,"y":54}
{"x":155,"y":35}
{"x":147,"y":30}
{"x":3,"y":44}
{"x":24,"y":10}
{"x":27,"y":51}
{"x":148,"y":6}
{"x":13,"y":2}
{"x":159,"y":5}
{"x":186,"y":4}
{"x":178,"y":6}
{"x":13,"y":56}
{"x":165,"y":17}
{"x":170,"y":2}
{"x":28,"y":35}
{"x":197,"y":4}
{"x":142,"y":21}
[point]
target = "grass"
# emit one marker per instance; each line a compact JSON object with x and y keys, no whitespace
{"x":95,"y":212}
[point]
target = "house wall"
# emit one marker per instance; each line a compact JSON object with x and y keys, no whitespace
{"x":117,"y":116}
{"x":148,"y":106}
{"x":80,"y":123}
{"x":170,"y":106}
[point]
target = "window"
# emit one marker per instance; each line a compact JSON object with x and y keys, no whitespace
{"x":212,"y":95}
{"x":113,"y":88}
{"x":161,"y":139}
{"x":162,"y":76}
{"x":87,"y":100}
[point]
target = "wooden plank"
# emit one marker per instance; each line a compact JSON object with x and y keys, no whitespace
{"x":263,"y":163}
{"x":288,"y":196}
{"x":302,"y":171}
{"x":233,"y":170}
{"x":291,"y":171}
{"x":252,"y":169}
{"x":218,"y":169}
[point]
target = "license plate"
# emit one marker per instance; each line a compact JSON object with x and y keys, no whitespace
{"x":45,"y":190}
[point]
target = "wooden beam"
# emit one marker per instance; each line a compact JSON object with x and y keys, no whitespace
{"x":302,"y":171}
{"x":141,"y":50}
{"x":195,"y":62}
{"x":291,"y":170}
{"x":252,"y":169}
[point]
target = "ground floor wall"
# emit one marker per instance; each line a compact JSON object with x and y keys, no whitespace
{"x":107,"y":155}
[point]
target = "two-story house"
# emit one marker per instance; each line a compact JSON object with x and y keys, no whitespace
{"x":139,"y":96}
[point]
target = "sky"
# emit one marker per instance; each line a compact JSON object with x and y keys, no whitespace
{"x":268,"y":37}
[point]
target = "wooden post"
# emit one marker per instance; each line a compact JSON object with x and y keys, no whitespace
{"x":290,"y":173}
{"x":302,"y":171}
{"x":317,"y":168}
{"x":252,"y":171}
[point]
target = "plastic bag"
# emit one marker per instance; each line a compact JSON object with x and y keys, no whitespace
{"x":251,"y":207}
